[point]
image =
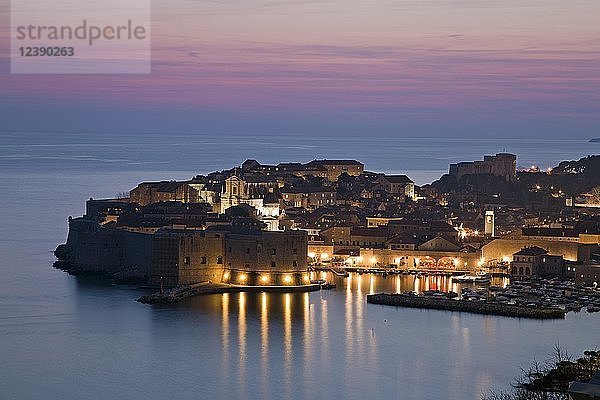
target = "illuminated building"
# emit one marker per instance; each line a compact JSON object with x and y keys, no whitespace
{"x":238,"y":255}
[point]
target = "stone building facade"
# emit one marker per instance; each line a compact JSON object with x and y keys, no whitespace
{"x":257,"y":257}
{"x":536,"y":261}
{"x":186,"y":257}
{"x":309,"y":198}
{"x":335,"y":168}
{"x":396,"y":184}
{"x":93,"y":248}
{"x":155,"y":192}
{"x":502,"y":248}
{"x":233,"y":255}
{"x":251,"y":188}
{"x":587,"y":274}
{"x":502,"y":164}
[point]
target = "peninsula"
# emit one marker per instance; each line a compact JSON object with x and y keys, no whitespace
{"x":267,"y":226}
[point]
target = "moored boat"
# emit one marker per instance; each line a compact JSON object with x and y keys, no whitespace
{"x":480,"y":277}
{"x":593,"y":308}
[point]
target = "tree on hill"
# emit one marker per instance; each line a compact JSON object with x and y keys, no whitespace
{"x":594,"y":198}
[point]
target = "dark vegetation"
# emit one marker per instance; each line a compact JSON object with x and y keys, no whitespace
{"x":550,"y":380}
{"x":568,"y":179}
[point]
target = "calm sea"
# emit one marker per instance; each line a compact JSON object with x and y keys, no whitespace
{"x":63,"y":337}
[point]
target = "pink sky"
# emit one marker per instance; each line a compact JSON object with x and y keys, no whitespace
{"x":396,"y":57}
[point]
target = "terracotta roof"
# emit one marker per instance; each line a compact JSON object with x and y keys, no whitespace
{"x":307,"y":189}
{"x":373,"y":232}
{"x":397,"y":179}
{"x":334,"y":162}
{"x":257,"y":178}
{"x":402,"y":239}
{"x":165,"y":186}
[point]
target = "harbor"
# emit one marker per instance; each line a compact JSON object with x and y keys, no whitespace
{"x":534,"y":298}
{"x":444,"y":303}
{"x":540,"y":293}
{"x":482,"y":286}
{"x":478,"y":288}
{"x":457,"y":275}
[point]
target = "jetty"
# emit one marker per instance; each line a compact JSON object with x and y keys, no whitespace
{"x":178,"y":294}
{"x":477,"y":307}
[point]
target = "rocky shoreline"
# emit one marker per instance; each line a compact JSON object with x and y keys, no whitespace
{"x":114,"y":276}
{"x":479,"y":307}
{"x":175,"y":295}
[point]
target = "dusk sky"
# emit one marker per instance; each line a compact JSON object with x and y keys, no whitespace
{"x":430,"y":67}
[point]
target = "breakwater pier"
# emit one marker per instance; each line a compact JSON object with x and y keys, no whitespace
{"x":178,"y":294}
{"x":477,"y":307}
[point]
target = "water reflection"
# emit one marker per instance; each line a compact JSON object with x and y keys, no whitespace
{"x":324,"y":329}
{"x":264,"y":342}
{"x":287,"y":352}
{"x":79,"y":333}
{"x":225,"y":338}
{"x":369,"y":284}
{"x":242,"y":337}
{"x":308,"y":332}
{"x":289,"y":344}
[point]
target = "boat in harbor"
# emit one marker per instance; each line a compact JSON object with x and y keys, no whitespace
{"x":480,"y":277}
{"x":483,"y":279}
{"x":328,"y":286}
{"x":576,"y":307}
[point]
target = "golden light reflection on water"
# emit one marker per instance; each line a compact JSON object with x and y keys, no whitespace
{"x":242,"y":337}
{"x":276,"y":330}
{"x":453,"y":287}
{"x":348,"y":282}
{"x":225,"y":322}
{"x":324,"y":329}
{"x":359,"y":319}
{"x":349,"y":316}
{"x":225,"y":335}
{"x":308,"y":332}
{"x":287,"y":334}
{"x":264,"y":341}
